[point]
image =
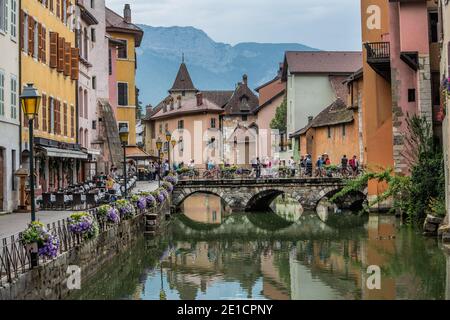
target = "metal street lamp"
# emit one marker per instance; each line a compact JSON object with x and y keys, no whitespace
{"x":173,"y":142}
{"x":159,"y":146}
{"x":123,"y":134}
{"x":30,"y":101}
{"x":168,"y":138}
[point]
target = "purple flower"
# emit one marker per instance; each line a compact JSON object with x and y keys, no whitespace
{"x":161,"y":197}
{"x":150,"y":201}
{"x":142,"y":203}
{"x":113,"y":216}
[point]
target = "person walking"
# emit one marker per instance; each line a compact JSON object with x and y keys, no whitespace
{"x":258,"y":168}
{"x":309,"y":165}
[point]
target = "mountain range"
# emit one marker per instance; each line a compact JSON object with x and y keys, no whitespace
{"x":212,"y":65}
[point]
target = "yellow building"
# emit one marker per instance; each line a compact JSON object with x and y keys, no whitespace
{"x":49,"y":60}
{"x":121,"y":29}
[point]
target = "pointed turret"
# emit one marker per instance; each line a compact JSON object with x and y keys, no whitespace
{"x":183,"y":81}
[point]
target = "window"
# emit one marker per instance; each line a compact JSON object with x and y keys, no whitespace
{"x":2,"y":93}
{"x":94,"y":82}
{"x":329,"y":132}
{"x":80,"y":102}
{"x":122,"y":50}
{"x":93,"y":34}
{"x":65,"y":111}
{"x":344,"y":132}
{"x":85,"y":104}
{"x":36,"y":41}
{"x":244,"y":118}
{"x":85,"y":44}
{"x":94,"y":125}
{"x":4,"y":15}
{"x":166,"y":127}
{"x":25,"y":32}
{"x":180,"y":124}
{"x":183,"y":93}
{"x":213,"y":123}
{"x":433,"y":27}
{"x":122,"y":93}
{"x":92,"y":4}
{"x":160,"y":128}
{"x":13,"y":18}
{"x":411,"y":95}
{"x":14,"y":167}
{"x":13,"y":97}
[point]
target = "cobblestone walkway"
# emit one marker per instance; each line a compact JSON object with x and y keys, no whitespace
{"x":16,"y":222}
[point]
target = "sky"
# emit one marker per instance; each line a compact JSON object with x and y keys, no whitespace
{"x":322,"y":24}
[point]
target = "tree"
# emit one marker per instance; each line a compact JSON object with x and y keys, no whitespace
{"x":279,"y":122}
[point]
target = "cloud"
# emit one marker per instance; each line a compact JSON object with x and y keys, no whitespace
{"x":324,"y":24}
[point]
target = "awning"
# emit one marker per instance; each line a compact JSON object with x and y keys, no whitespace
{"x":64,"y":153}
{"x":136,"y":153}
{"x":94,"y":152}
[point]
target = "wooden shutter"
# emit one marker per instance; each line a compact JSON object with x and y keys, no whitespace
{"x":51,"y":5}
{"x":49,"y":127}
{"x":58,"y":117}
{"x":53,"y":49}
{"x":67,"y":59}
{"x":74,"y":65}
{"x":65,"y":119}
{"x":44,"y":44}
{"x":22,"y":26}
{"x":44,"y":112}
{"x":30,"y":35}
{"x":72,"y":121}
{"x":39,"y":53}
{"x":61,"y":43}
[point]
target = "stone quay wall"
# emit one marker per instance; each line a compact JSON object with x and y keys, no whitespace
{"x":51,"y":280}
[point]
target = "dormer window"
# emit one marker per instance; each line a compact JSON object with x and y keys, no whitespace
{"x":244,"y":107}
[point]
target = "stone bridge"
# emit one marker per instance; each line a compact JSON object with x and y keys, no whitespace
{"x":257,"y":195}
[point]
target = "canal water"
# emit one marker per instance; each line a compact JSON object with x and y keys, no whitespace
{"x":207,"y":253}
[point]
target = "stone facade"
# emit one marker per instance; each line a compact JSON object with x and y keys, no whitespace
{"x":49,"y":280}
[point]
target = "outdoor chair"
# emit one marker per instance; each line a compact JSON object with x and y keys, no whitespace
{"x":47,"y":201}
{"x":60,"y":204}
{"x":91,"y":202}
{"x":77,"y":202}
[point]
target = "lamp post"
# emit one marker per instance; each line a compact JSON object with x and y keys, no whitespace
{"x":30,"y":101}
{"x":123,"y":134}
{"x":159,"y":146}
{"x":168,"y":138}
{"x":173,"y":142}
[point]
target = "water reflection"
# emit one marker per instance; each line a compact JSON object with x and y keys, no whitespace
{"x":237,"y":257}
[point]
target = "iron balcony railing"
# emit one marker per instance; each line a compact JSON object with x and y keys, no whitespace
{"x":377,"y":51}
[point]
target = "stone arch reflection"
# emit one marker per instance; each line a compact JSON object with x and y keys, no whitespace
{"x":205,"y":208}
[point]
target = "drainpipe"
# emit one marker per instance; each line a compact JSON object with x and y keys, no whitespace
{"x":19,"y":80}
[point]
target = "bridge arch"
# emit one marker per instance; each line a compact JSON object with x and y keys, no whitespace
{"x":179,"y":198}
{"x":262,"y":200}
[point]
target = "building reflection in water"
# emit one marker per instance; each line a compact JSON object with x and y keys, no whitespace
{"x":204,"y":208}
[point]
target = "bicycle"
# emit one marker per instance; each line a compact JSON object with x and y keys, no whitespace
{"x":212,"y":174}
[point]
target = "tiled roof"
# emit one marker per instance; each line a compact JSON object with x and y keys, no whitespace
{"x":219,"y":97}
{"x":334,"y":114}
{"x":188,"y":106}
{"x":116,"y":23}
{"x":183,"y":81}
{"x":339,"y":86}
{"x":331,"y":62}
{"x":243,"y":101}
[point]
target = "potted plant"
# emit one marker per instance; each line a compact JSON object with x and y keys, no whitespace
{"x":171,"y":179}
{"x":37,"y":239}
{"x":83,"y":224}
{"x":126,"y":209}
{"x":167,"y":186}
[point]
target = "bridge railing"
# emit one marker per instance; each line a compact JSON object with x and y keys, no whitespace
{"x":266,"y":173}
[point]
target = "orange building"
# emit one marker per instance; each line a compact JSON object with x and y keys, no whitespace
{"x":334,"y":132}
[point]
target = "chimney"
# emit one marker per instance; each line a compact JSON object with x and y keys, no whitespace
{"x":179,"y":102}
{"x":199,"y":99}
{"x":127,"y":13}
{"x":310,"y":119}
{"x":245,"y":79}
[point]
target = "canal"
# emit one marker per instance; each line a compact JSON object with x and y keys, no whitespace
{"x":207,"y":253}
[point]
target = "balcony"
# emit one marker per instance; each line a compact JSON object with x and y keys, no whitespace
{"x":379,"y":58}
